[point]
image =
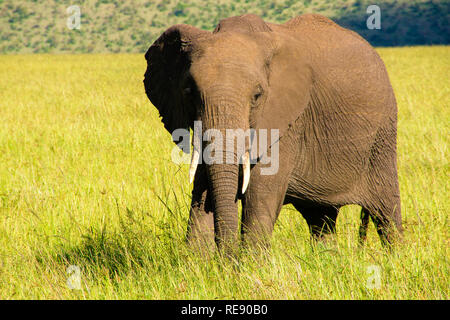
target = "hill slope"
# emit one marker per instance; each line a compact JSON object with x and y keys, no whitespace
{"x":132,"y":25}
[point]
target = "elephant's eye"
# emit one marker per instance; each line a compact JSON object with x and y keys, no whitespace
{"x":258,"y":93}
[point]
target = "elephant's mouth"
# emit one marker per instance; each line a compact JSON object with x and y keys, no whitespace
{"x":245,"y":161}
{"x":198,"y":153}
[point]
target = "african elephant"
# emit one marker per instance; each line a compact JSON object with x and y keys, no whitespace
{"x":326,"y":92}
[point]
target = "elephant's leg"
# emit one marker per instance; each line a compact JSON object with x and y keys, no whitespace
{"x":259,"y":215}
{"x":383,"y":206}
{"x":386,"y":219}
{"x":321,"y":219}
{"x":200,"y":231}
{"x":261,"y":206}
{"x":265,"y":195}
{"x":382,"y":200}
{"x":365,"y":217}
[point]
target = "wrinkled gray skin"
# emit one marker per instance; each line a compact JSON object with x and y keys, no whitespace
{"x":322,"y":86}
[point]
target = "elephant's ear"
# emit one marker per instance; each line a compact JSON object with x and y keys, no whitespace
{"x":290,"y":83}
{"x":168,"y":58}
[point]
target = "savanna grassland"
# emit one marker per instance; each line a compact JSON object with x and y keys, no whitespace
{"x":86,"y":179}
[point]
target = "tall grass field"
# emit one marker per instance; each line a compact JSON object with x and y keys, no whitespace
{"x":92,"y":207}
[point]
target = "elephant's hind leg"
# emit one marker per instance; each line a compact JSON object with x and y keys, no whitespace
{"x":387,"y":221}
{"x":365,"y":217}
{"x":321,"y":219}
{"x":382,"y":200}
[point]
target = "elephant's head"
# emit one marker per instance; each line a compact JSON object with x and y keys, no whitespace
{"x":239,"y":76}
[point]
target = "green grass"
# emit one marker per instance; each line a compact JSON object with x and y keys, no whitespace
{"x":86,"y":179}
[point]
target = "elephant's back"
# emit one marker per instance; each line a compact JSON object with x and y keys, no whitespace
{"x":333,"y":44}
{"x":319,"y":28}
{"x":345,"y":63}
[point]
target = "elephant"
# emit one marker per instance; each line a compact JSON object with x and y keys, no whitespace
{"x":322,"y":87}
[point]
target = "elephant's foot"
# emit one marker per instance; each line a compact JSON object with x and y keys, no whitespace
{"x":388,"y":228}
{"x":256,"y":242}
{"x":203,"y":244}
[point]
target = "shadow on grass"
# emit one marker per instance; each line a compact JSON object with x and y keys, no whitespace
{"x":100,"y":250}
{"x":134,"y":246}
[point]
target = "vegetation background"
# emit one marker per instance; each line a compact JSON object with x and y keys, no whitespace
{"x":39,"y":26}
{"x":88,"y":190}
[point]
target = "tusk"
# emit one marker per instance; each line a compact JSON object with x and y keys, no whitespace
{"x":246,"y":169}
{"x":194,"y":164}
{"x":195,"y":156}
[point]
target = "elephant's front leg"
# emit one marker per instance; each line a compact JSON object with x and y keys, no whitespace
{"x":200,"y":231}
{"x":261,"y":206}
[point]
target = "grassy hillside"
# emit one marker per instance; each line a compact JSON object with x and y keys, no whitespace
{"x":86,"y":179}
{"x":39,"y":26}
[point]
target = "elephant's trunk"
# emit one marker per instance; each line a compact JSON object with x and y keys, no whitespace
{"x":223,"y":172}
{"x":223,"y":181}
